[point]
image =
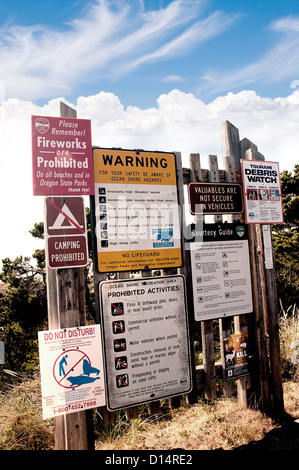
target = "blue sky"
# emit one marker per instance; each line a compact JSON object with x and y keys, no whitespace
{"x":153,"y":74}
{"x":139,"y":50}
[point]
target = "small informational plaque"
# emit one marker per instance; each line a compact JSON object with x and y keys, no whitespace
{"x":236,"y":357}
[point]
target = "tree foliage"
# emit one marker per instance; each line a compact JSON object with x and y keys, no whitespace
{"x":22,"y":311}
{"x":285,"y":240}
{"x":23,"y":303}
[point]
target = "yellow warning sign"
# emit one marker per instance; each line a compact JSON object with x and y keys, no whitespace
{"x":134,"y":167}
{"x":137,"y":210}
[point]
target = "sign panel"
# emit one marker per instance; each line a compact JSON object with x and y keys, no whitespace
{"x":262,"y":192}
{"x":221,"y":271}
{"x":146,"y":340}
{"x":215,"y":198}
{"x":71,"y":367}
{"x":136,"y":209}
{"x":235,"y":354}
{"x":65,"y":230}
{"x":61,"y":156}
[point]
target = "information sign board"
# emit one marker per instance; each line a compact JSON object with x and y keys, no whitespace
{"x":221,"y":275}
{"x":145,"y":340}
{"x":71,"y":366}
{"x":236,"y":356}
{"x":262,"y":192}
{"x":61,"y":156}
{"x":215,"y":198}
{"x":65,"y":230}
{"x":136,"y":210}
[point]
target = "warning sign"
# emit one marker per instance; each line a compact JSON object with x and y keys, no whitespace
{"x":146,"y":340}
{"x":262,"y":192}
{"x":65,"y":229}
{"x":136,"y":210}
{"x":71,"y":365}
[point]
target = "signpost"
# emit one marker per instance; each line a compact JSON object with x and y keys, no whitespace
{"x":136,"y":209}
{"x":65,"y":298}
{"x":66,"y":236}
{"x":61,"y":156}
{"x":262,"y":192}
{"x":221,"y":271}
{"x":215,"y":198}
{"x":145,"y":340}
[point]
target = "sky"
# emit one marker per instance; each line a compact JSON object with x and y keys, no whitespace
{"x":152,"y":74}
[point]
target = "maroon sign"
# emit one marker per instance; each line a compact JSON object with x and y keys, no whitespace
{"x":215,"y":198}
{"x":66,"y":232}
{"x":61,"y":156}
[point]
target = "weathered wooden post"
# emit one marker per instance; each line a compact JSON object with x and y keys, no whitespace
{"x":206,"y":325}
{"x":66,"y":308}
{"x":265,"y":315}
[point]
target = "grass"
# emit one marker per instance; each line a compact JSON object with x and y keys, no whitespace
{"x":207,"y":425}
{"x":21,"y":423}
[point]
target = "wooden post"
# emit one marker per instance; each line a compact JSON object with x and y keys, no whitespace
{"x":207,"y":333}
{"x":264,"y":295}
{"x":266,"y":318}
{"x":66,"y":308}
{"x":232,"y":159}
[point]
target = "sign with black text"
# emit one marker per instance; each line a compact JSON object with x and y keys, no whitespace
{"x":262,"y":192}
{"x":221,"y":274}
{"x":236,"y":356}
{"x":136,"y":210}
{"x":145,"y":340}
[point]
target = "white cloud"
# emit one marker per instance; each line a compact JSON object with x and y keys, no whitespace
{"x":173,"y":78}
{"x":278,"y":63}
{"x":38,"y":62}
{"x":179,"y":122}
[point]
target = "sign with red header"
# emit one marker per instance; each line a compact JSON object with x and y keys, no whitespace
{"x":65,"y":230}
{"x":61,"y":156}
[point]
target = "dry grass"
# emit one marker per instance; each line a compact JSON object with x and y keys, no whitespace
{"x":204,"y":426}
{"x":21,"y":423}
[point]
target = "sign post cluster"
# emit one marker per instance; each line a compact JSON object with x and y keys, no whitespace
{"x":139,"y":351}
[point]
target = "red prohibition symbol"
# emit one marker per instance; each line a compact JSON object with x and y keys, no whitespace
{"x":72,"y":361}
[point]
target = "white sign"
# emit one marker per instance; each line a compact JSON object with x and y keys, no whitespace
{"x":71,"y":367}
{"x":221,"y":272}
{"x":146,"y":340}
{"x":262,"y":192}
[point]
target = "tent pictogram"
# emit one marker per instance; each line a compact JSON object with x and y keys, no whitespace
{"x":65,"y":215}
